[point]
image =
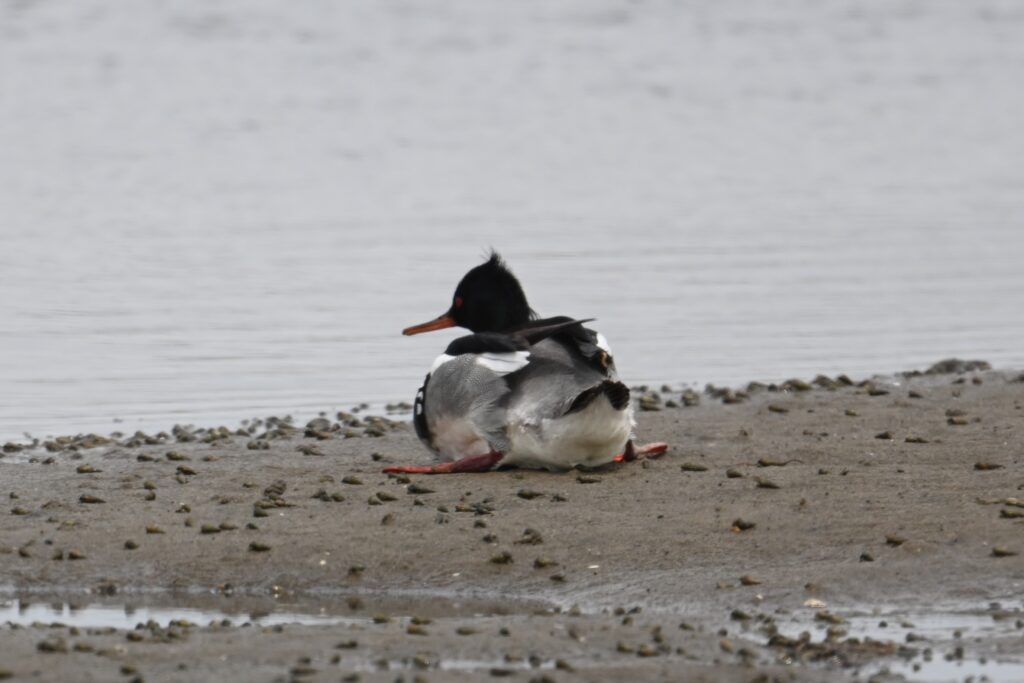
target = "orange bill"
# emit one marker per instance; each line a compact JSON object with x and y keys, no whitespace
{"x":438,"y":323}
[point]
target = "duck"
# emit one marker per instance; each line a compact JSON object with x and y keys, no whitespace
{"x":520,"y":391}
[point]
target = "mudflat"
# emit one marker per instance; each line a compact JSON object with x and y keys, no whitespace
{"x":807,"y":532}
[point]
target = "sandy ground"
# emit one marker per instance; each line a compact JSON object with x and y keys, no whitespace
{"x":773,"y":513}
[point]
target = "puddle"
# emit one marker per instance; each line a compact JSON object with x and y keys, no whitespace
{"x":943,"y":671}
{"x":127,"y":617}
{"x":930,"y":626}
{"x":498,"y":667}
{"x":93,"y":612}
{"x":952,"y":646}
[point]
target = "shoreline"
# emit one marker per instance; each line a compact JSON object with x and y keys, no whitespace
{"x":773,"y":513}
{"x":401,"y":411}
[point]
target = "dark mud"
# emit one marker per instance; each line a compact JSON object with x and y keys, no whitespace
{"x":782,"y":523}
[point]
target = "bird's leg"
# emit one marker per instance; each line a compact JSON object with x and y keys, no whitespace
{"x":650,"y":450}
{"x":472,"y":463}
{"x":628,"y":453}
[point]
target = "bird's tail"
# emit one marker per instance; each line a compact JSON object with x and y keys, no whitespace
{"x":617,"y":393}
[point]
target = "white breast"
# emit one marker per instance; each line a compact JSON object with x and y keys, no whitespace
{"x":590,"y":437}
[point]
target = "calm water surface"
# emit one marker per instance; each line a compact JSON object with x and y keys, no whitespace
{"x":217,"y":210}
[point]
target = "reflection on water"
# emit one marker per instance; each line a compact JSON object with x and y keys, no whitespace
{"x":211,"y":213}
{"x":128,"y":617}
{"x":206,"y":609}
{"x":957,"y":671}
{"x":943,"y":645}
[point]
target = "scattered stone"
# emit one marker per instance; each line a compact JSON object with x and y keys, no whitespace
{"x":530,"y":537}
{"x":955,"y":366}
{"x":52,"y":645}
{"x":828,"y":617}
{"x":504,"y":557}
{"x":649,"y":403}
{"x":690,"y":398}
{"x":768,"y":462}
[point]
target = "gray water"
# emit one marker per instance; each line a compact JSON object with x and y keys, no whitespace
{"x":218,"y":210}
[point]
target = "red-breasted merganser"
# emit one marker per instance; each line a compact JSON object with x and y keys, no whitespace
{"x":519,"y":391}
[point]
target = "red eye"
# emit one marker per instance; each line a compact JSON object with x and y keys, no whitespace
{"x":458,"y":302}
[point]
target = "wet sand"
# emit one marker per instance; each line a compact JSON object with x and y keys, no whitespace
{"x":773,"y":513}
